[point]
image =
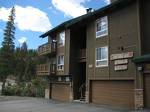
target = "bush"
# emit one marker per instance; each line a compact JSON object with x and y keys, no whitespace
{"x":11,"y":90}
{"x":35,"y":88}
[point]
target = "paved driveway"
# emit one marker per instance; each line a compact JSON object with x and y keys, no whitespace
{"x":25,"y":104}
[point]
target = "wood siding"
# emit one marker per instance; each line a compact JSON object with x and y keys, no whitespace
{"x":64,"y":50}
{"x":147,"y":90}
{"x":61,"y":92}
{"x":113,"y":93}
{"x":122,"y":32}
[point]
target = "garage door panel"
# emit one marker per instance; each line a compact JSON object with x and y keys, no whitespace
{"x":60,"y":92}
{"x":147,"y":90}
{"x":115,"y":93}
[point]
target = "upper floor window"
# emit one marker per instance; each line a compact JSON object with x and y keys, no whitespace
{"x":61,"y":41}
{"x":101,"y":56}
{"x":60,"y":63}
{"x":102,"y":27}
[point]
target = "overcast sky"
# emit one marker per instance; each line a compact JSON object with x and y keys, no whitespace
{"x":34,"y":17}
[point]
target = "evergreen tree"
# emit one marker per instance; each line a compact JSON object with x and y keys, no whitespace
{"x":25,"y":63}
{"x":20,"y":62}
{"x":30,"y":69}
{"x":24,"y":47}
{"x":7,"y":50}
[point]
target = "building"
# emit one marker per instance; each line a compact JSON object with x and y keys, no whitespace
{"x":101,"y":57}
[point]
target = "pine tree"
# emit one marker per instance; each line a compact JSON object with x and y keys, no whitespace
{"x":20,"y":62}
{"x":24,"y":47}
{"x":7,"y":50}
{"x":25,"y":63}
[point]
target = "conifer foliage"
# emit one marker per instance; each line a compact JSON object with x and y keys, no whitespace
{"x":7,"y":49}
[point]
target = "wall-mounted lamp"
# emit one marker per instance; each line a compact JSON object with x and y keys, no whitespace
{"x":140,"y":68}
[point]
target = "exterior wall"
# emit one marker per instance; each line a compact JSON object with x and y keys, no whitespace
{"x":122,"y":32}
{"x":65,"y":50}
{"x":92,"y":43}
{"x":61,"y":92}
{"x":67,"y":53}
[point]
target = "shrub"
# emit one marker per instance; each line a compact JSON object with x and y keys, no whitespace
{"x":35,"y":88}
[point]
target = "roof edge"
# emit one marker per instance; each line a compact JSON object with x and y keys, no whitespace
{"x":70,"y":22}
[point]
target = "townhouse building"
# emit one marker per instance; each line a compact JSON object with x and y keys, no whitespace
{"x":102,"y":57}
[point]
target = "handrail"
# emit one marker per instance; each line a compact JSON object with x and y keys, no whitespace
{"x":81,"y":90}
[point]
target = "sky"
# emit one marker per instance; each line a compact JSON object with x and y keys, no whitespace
{"x":34,"y":17}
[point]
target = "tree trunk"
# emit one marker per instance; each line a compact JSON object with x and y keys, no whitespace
{"x":3,"y":86}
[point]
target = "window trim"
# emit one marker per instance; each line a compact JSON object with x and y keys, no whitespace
{"x":100,"y":66}
{"x":60,"y":64}
{"x":101,"y":30}
{"x":63,"y":44}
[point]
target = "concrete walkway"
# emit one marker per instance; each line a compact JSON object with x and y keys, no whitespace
{"x":26,"y":104}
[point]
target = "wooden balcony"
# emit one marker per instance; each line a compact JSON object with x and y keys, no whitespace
{"x":46,"y":49}
{"x":46,"y":69}
{"x":82,"y":55}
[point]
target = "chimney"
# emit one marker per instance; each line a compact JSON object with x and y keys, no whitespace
{"x":88,"y":10}
{"x":111,"y":1}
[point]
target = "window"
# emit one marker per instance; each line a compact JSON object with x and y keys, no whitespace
{"x":102,"y":27}
{"x":61,"y":41}
{"x":60,"y":64}
{"x":101,"y":56}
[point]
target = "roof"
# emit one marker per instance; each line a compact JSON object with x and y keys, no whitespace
{"x":142,"y":59}
{"x":113,"y":6}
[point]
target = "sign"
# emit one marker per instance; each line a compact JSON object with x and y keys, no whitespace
{"x":121,"y":67}
{"x":120,"y":62}
{"x":121,"y":56}
{"x":90,"y":65}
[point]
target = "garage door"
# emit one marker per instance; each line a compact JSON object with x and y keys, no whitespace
{"x":60,"y":92}
{"x":113,"y":93}
{"x":147,"y":90}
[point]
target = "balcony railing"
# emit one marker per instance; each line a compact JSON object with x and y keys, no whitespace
{"x":46,"y":69}
{"x":47,"y":48}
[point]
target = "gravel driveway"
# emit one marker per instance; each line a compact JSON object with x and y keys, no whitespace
{"x":26,"y":104}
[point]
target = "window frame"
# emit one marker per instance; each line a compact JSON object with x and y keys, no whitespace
{"x":61,"y":44}
{"x":101,"y":59}
{"x":58,"y":65}
{"x":97,"y":21}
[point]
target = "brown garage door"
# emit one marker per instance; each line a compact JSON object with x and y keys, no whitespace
{"x":113,"y":93}
{"x":147,"y":90}
{"x":60,"y":92}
